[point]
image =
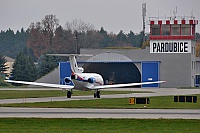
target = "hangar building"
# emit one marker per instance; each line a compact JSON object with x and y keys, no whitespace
{"x":170,"y":56}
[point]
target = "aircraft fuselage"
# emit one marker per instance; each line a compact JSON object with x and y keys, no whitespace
{"x":87,"y":81}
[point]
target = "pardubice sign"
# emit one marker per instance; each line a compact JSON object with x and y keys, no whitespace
{"x":179,"y":46}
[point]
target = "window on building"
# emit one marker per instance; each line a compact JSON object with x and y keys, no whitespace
{"x":192,"y":51}
{"x":155,"y":29}
{"x":193,"y":65}
{"x":176,"y":30}
{"x":185,"y":29}
{"x":198,"y":65}
{"x":165,"y":29}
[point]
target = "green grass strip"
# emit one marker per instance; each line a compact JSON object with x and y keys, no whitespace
{"x":14,"y":94}
{"x":37,"y":125}
{"x":161,"y":102}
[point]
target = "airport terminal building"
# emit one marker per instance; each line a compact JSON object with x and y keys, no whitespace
{"x":170,"y":57}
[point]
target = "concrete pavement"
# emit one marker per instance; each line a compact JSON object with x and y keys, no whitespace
{"x":99,"y":113}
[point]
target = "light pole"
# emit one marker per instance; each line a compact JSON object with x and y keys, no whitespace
{"x":76,"y":45}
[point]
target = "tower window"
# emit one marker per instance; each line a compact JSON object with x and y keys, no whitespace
{"x":176,"y":30}
{"x":185,"y":30}
{"x":155,"y":29}
{"x":165,"y":29}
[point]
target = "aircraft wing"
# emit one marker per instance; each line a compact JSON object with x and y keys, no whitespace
{"x":42,"y":84}
{"x":67,"y":55}
{"x":125,"y":85}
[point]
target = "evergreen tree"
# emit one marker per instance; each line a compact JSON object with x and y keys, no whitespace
{"x":135,"y":39}
{"x":46,"y":64}
{"x":121,"y":38}
{"x":3,"y":67}
{"x":132,"y":38}
{"x":11,"y":43}
{"x":24,"y":68}
{"x":105,"y":41}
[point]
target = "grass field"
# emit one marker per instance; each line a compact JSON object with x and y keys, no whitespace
{"x":34,"y":125}
{"x":123,"y":103}
{"x":13,"y":94}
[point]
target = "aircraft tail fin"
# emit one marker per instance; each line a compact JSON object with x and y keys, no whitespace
{"x":73,"y":62}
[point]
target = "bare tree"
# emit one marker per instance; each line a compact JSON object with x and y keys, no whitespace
{"x":41,"y":35}
{"x":79,"y":30}
{"x":77,"y":25}
{"x":50,"y":24}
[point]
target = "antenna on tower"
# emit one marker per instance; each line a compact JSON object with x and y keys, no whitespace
{"x":192,"y":16}
{"x":144,"y":10}
{"x":175,"y":11}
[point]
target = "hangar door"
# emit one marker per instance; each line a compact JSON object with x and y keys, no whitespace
{"x":150,"y":73}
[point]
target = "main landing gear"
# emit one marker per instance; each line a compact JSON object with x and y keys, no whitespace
{"x":97,"y":94}
{"x":69,"y":94}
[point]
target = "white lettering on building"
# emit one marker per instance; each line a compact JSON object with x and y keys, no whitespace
{"x":170,"y":47}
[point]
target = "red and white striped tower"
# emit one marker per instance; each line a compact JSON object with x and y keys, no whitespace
{"x":185,"y":29}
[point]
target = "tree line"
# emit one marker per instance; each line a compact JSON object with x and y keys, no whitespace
{"x":12,"y":43}
{"x":49,"y":35}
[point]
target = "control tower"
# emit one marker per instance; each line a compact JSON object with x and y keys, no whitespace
{"x":172,"y":36}
{"x":175,"y":35}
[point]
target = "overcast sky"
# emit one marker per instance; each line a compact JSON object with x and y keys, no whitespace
{"x":113,"y":15}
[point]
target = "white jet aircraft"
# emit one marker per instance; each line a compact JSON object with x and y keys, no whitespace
{"x":81,"y":81}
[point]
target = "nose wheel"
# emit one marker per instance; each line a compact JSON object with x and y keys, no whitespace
{"x":97,"y":94}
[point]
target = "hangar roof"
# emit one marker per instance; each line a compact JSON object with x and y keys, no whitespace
{"x":109,"y":57}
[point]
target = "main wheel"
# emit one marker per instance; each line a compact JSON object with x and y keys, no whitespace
{"x":98,"y":94}
{"x":95,"y":95}
{"x":69,"y":94}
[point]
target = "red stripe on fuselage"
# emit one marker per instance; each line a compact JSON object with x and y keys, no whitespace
{"x":82,"y":79}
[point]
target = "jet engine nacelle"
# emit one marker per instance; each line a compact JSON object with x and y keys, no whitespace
{"x":73,"y":76}
{"x":67,"y":80}
{"x":91,"y":80}
{"x":80,"y":69}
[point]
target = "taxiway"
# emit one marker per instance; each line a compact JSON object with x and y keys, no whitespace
{"x":99,"y":113}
